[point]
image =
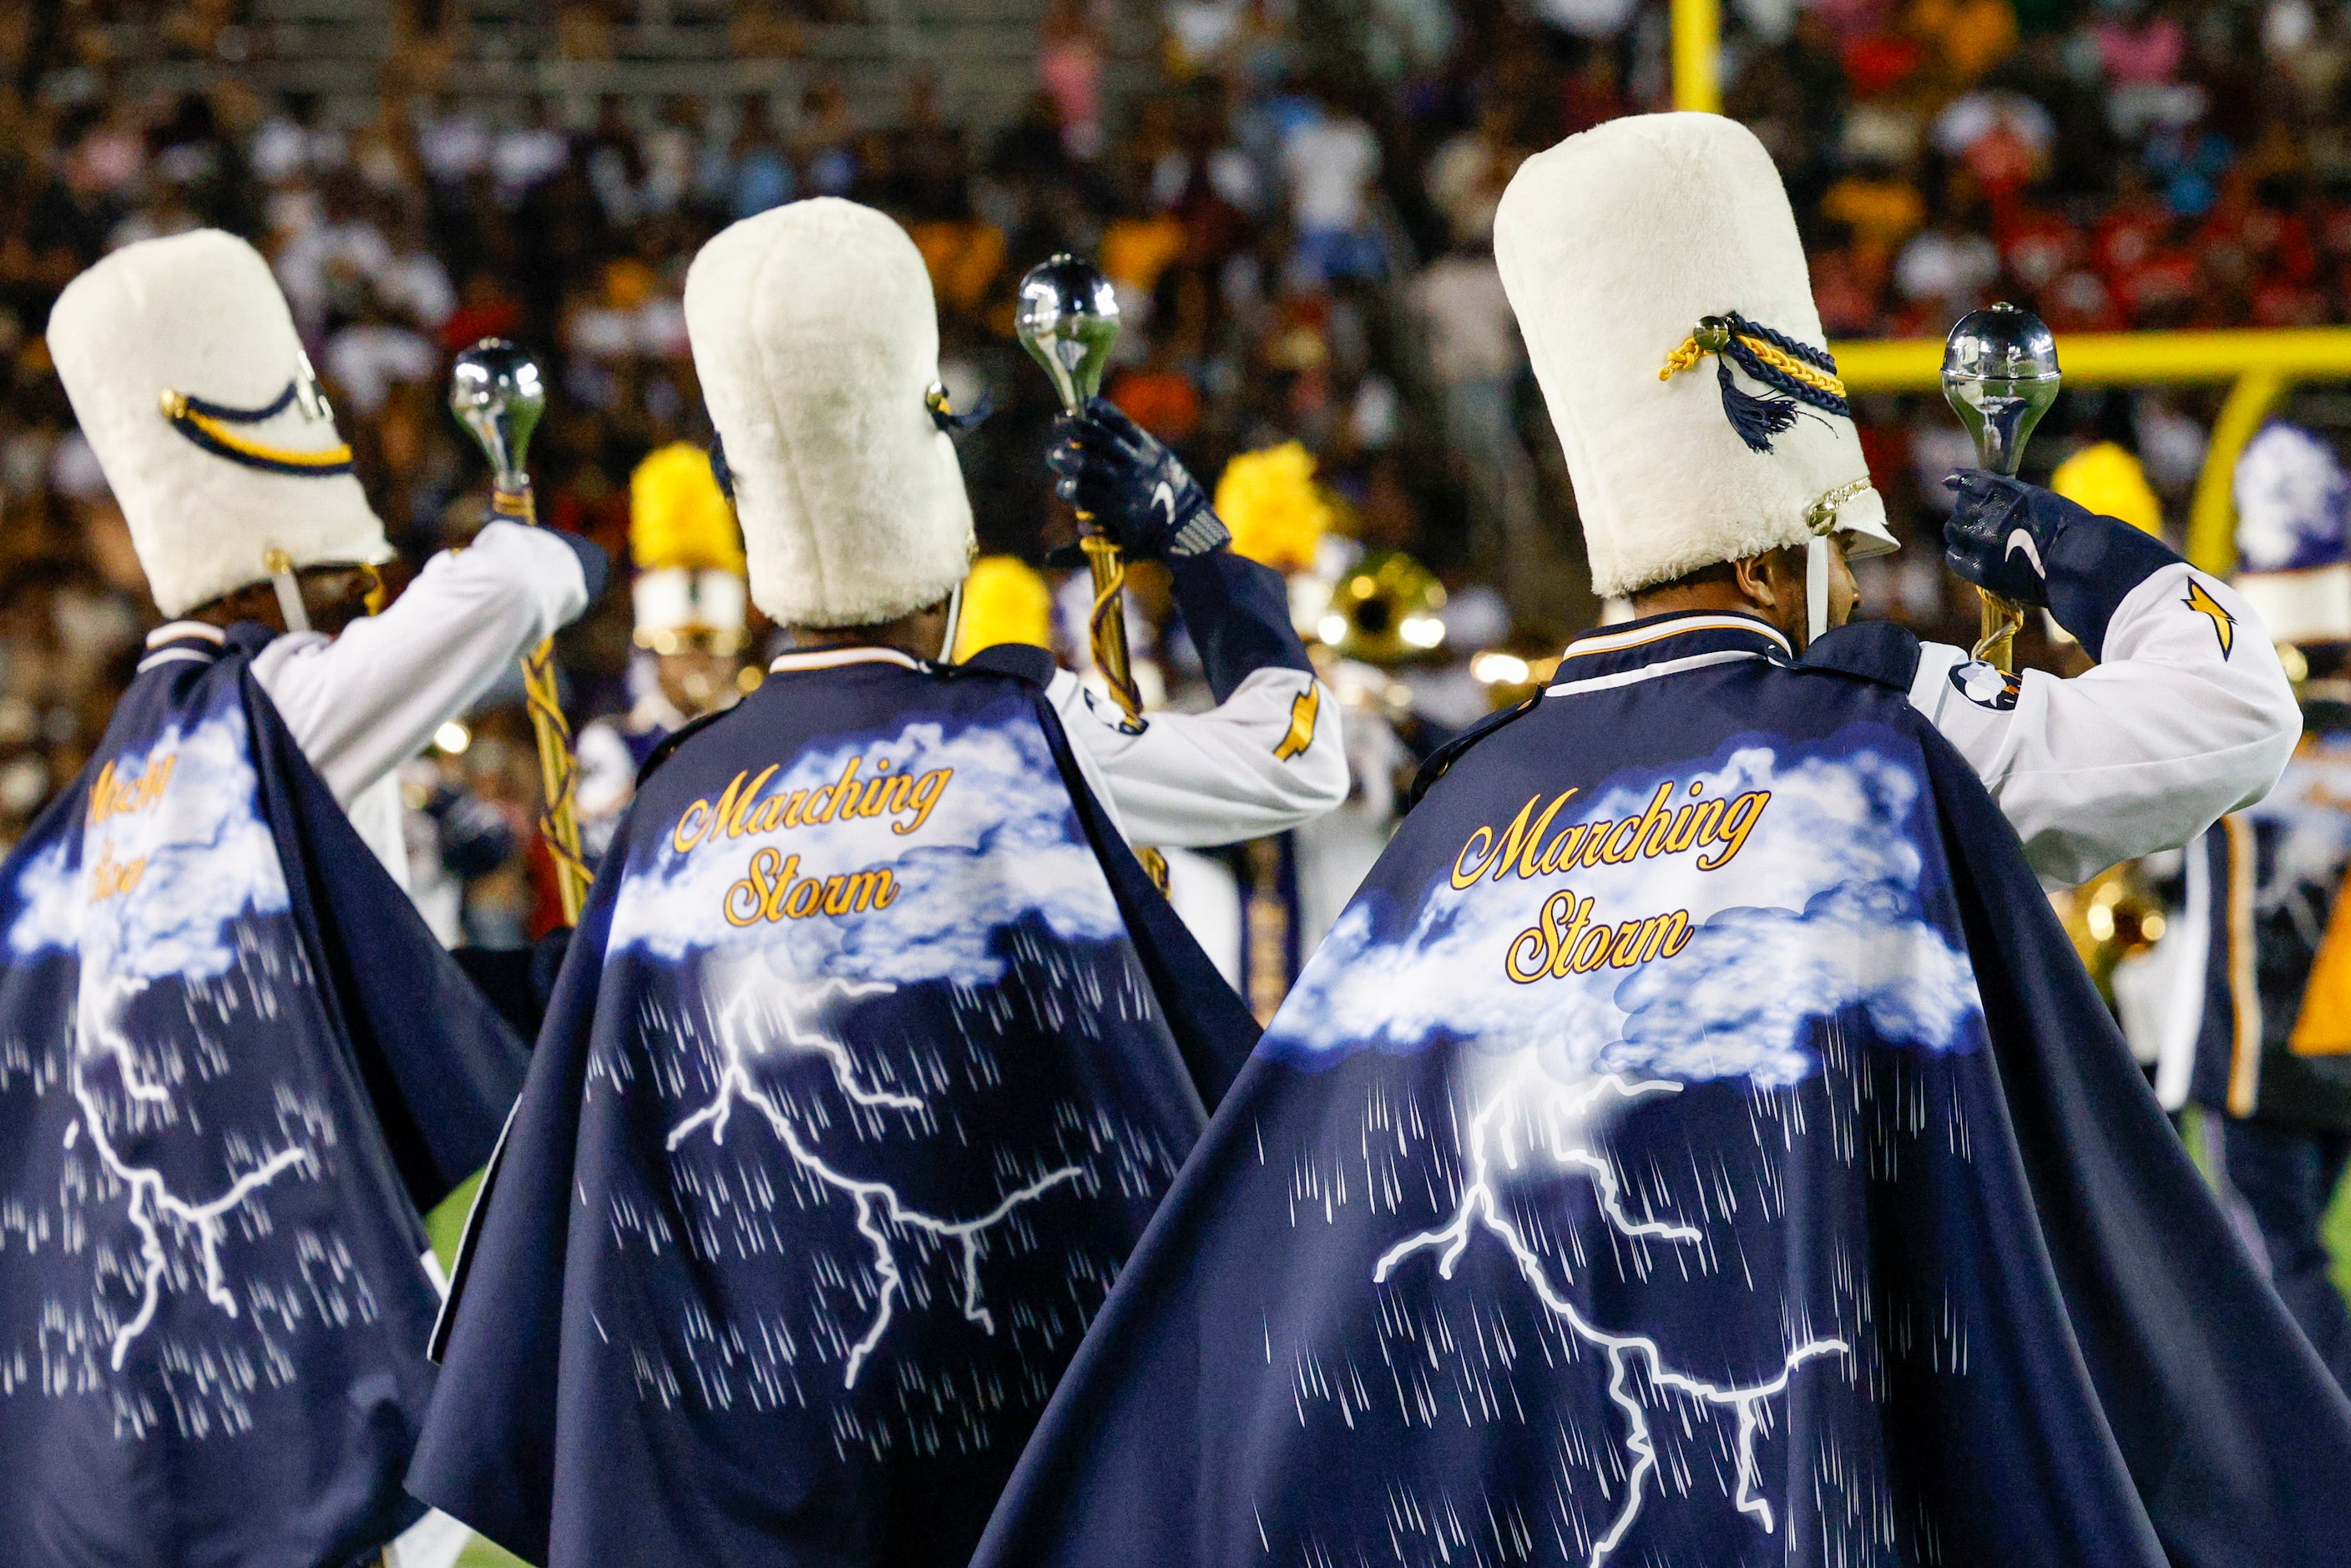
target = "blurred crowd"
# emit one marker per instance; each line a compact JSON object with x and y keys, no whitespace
{"x":1298,"y":212}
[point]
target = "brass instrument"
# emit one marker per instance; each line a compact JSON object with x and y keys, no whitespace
{"x":2110,"y":918}
{"x":1385,"y":611}
{"x":2000,"y":376}
{"x":495,"y":392}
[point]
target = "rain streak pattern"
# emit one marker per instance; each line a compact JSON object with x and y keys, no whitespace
{"x":1529,"y":1193}
{"x":1513,"y":1213}
{"x":871,"y":1108}
{"x":190,"y":1294}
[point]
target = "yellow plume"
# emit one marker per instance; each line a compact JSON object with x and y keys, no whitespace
{"x":1004,"y":600}
{"x":1276,"y":511}
{"x":679,"y":517}
{"x":2110,"y":481}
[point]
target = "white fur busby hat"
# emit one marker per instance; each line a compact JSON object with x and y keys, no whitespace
{"x":2294,"y":560}
{"x":1631,"y":253}
{"x":818,"y":347}
{"x":189,"y":382}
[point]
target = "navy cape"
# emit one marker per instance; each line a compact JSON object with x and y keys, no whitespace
{"x":1697,"y":1144}
{"x":234,"y":1066}
{"x":870,"y":1062}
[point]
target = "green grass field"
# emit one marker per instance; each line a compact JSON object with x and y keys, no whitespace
{"x":446,"y":1224}
{"x":2338,"y":1237}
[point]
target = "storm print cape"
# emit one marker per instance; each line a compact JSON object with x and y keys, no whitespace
{"x":864,"y":1072}
{"x":234,"y":1064}
{"x":1696,"y":1146}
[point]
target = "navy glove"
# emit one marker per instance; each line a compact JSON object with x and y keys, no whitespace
{"x":2003,"y":533}
{"x":1118,"y":472}
{"x":2034,"y":546}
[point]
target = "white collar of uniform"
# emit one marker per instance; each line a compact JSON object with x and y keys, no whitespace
{"x":1657,"y":629}
{"x":180,"y":631}
{"x":832,"y":658}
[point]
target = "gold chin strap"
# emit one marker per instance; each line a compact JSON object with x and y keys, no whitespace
{"x":378,"y":596}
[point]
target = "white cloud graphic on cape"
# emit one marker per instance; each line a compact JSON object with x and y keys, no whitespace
{"x":209,"y":859}
{"x":1002,"y":843}
{"x":1819,"y":911}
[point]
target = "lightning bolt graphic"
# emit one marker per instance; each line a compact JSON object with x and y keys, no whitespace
{"x":878,"y":1203}
{"x":151,"y":1199}
{"x":1559,"y":1115}
{"x":743,"y":1019}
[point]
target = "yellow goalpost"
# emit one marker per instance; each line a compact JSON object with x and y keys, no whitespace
{"x":2259,"y":366}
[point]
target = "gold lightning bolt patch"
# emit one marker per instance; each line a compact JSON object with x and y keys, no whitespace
{"x":1303,"y":714}
{"x":2224,"y":625}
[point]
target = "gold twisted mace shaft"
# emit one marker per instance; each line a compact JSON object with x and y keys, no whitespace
{"x":1106,"y":625}
{"x":2001,"y":619}
{"x":558,"y":770}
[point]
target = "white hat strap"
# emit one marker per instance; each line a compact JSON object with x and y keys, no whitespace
{"x":1816,"y":588}
{"x":290,"y":608}
{"x":1820,"y":518}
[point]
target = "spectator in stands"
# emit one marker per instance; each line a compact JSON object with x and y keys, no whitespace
{"x":1479,"y":361}
{"x":1069,"y":67}
{"x":1329,"y":159}
{"x":1466,"y":175}
{"x":759,"y":166}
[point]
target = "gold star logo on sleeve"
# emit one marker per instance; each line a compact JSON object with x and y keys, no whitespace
{"x":1303,"y":714}
{"x":2224,"y":625}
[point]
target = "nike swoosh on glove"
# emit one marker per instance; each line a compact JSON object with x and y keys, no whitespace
{"x":2035,"y":547}
{"x":1122,"y":477}
{"x":2003,"y":532}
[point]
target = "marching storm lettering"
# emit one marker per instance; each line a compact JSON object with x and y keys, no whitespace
{"x":740,"y":810}
{"x":1659,"y":831}
{"x":771,"y":887}
{"x":1566,"y":940}
{"x":112,"y":796}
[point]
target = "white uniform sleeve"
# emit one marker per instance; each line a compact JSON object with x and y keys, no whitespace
{"x":2188,"y":718}
{"x":1266,"y":759}
{"x":363,"y":703}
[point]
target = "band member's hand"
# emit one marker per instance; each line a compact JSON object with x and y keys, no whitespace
{"x":2003,"y":533}
{"x":1115,"y":470}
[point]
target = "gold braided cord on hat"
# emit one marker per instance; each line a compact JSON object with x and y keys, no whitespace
{"x":1818,"y":380}
{"x":209,"y":425}
{"x":1795,"y":374}
{"x":1691,"y":351}
{"x":1682,"y":358}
